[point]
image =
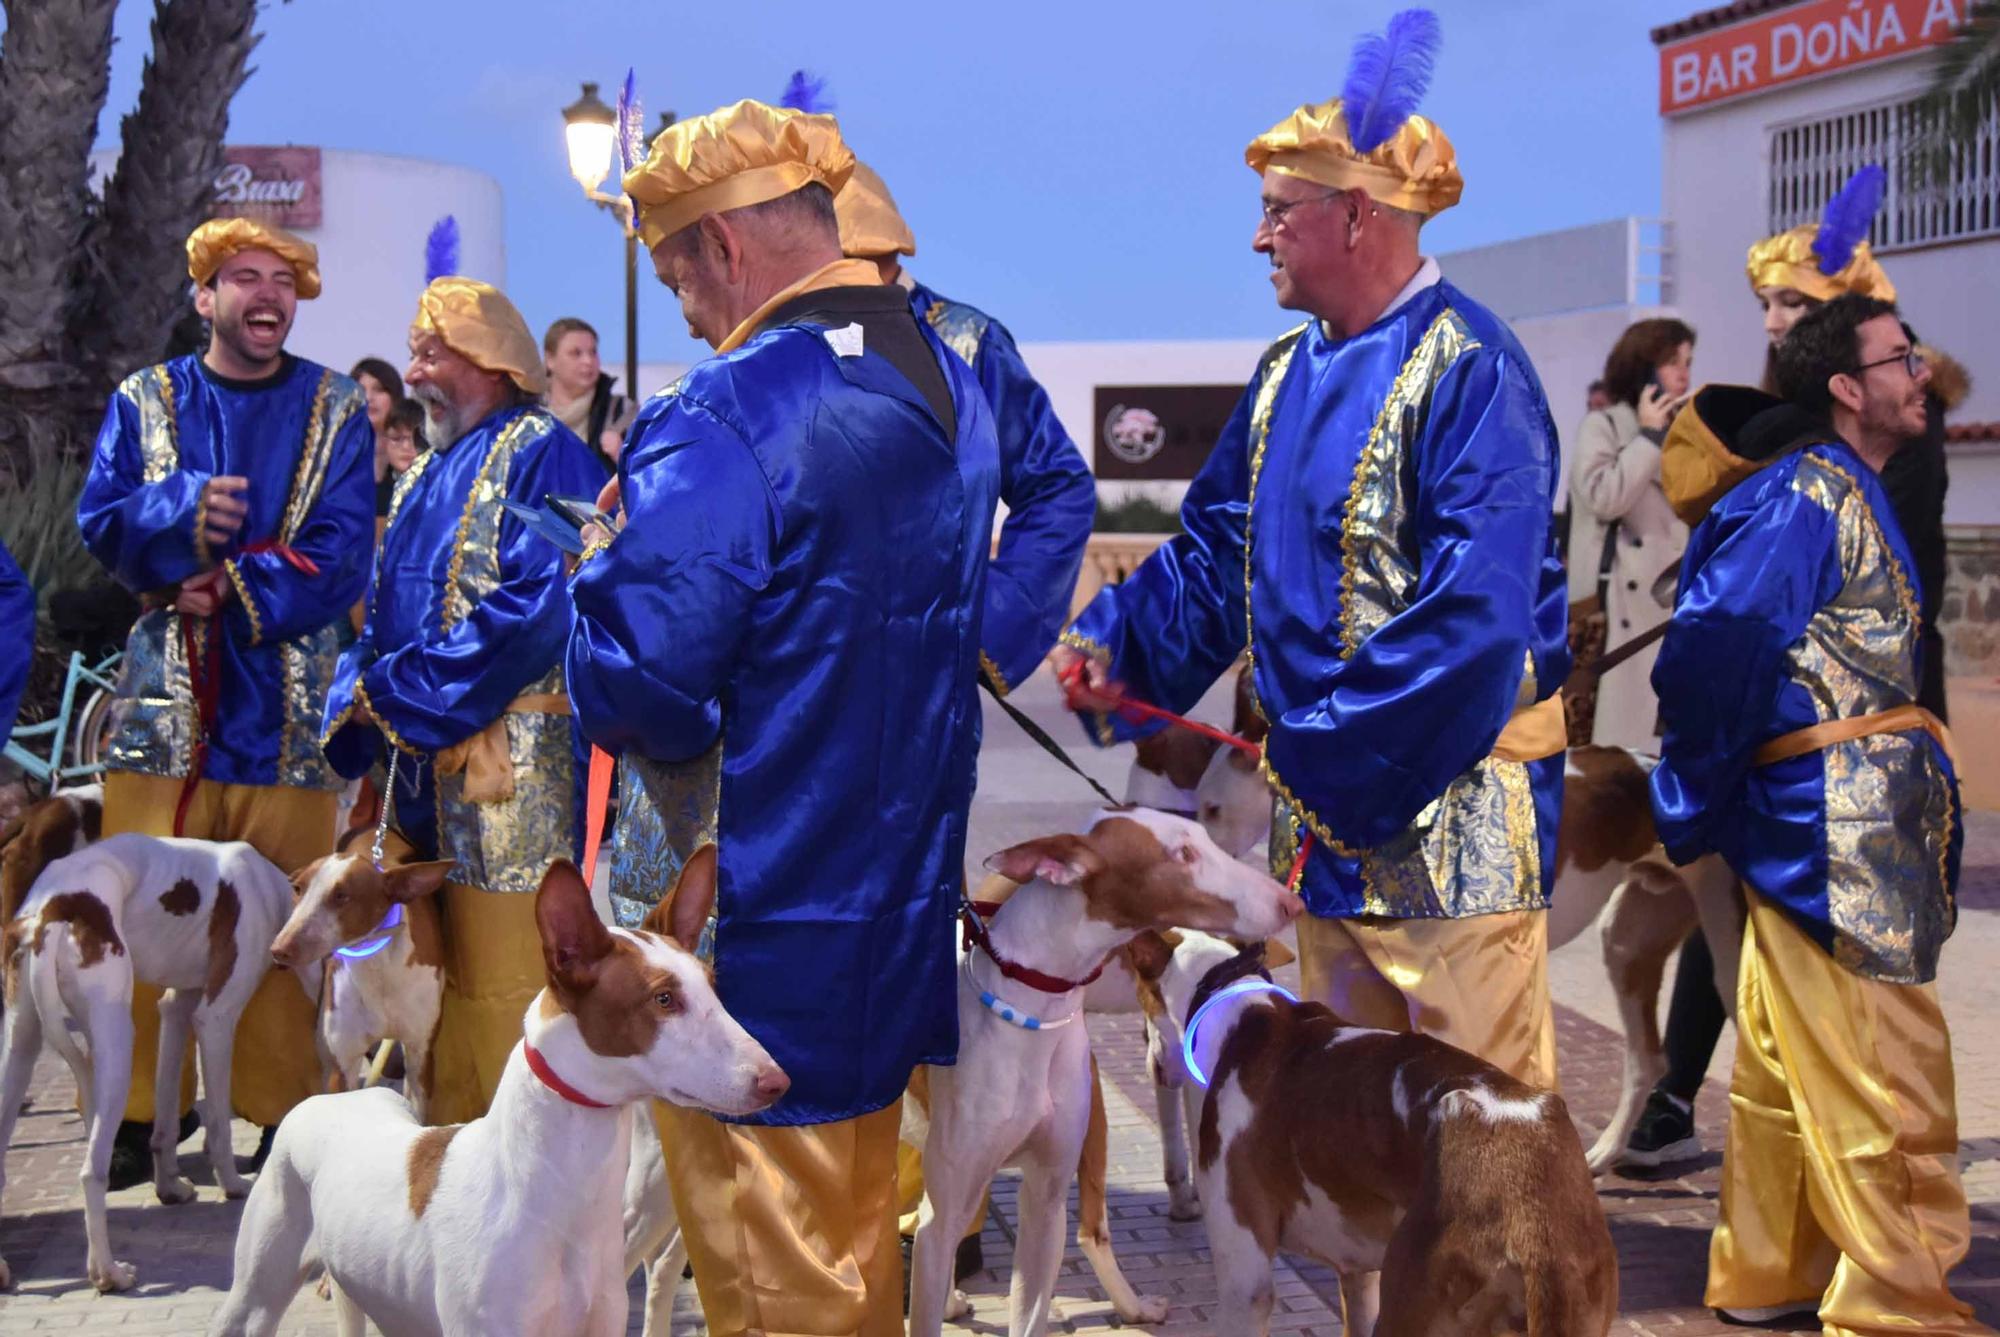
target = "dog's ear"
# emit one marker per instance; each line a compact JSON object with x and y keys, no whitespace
{"x":1149,"y":954}
{"x":683,"y":912}
{"x":353,"y":835}
{"x":574,"y":939}
{"x":413,"y":881}
{"x":1064,"y":860}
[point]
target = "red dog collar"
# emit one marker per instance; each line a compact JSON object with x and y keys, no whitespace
{"x":540,"y":1067}
{"x":975,"y":913}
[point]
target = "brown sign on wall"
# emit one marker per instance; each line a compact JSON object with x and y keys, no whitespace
{"x":1147,"y":432}
{"x":278,"y":185}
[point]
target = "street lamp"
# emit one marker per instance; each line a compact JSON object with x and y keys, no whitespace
{"x":590,"y":130}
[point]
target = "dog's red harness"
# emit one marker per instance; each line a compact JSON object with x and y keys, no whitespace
{"x":540,"y":1067}
{"x":976,"y":913}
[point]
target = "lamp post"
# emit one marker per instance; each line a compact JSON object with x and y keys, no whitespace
{"x":590,"y":130}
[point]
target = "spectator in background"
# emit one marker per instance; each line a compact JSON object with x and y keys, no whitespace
{"x":403,"y":436}
{"x":384,"y":389}
{"x":1596,"y":397}
{"x":580,"y":393}
{"x":1625,"y":541}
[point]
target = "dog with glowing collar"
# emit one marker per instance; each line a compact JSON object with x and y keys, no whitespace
{"x":1381,"y":1154}
{"x":508,"y":1224}
{"x":1020,"y":1091}
{"x":377,"y":931}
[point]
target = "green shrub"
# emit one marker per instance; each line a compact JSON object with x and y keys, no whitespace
{"x":1136,"y":515}
{"x":38,"y":517}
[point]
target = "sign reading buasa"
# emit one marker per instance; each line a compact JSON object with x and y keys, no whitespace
{"x":276,"y":184}
{"x":1159,"y":432}
{"x":1798,"y":42}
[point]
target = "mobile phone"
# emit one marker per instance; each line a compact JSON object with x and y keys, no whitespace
{"x":577,"y":511}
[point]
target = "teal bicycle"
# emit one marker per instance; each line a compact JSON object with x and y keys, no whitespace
{"x":68,"y":747}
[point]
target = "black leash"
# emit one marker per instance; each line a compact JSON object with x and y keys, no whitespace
{"x":1049,"y":745}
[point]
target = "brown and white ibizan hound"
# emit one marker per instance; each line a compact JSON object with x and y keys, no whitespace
{"x":191,"y":917}
{"x":1019,"y":1093}
{"x":43,"y":832}
{"x":508,"y":1224}
{"x":1391,"y":1157}
{"x":1610,"y":871}
{"x":373,"y":937}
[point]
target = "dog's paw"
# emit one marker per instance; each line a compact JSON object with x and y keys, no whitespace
{"x":325,"y":1288}
{"x":958,"y":1306}
{"x":174,"y":1191}
{"x":1150,"y":1309}
{"x":1183,"y":1203}
{"x":113,"y":1276}
{"x":235,"y":1188}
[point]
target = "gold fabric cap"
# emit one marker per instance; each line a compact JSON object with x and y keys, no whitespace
{"x":1414,"y":169}
{"x":732,"y":158}
{"x":219,"y":238}
{"x":476,"y":321}
{"x":870,"y":225}
{"x":1787,"y":261}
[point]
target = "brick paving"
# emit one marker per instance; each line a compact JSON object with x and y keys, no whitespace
{"x":1661,"y":1226}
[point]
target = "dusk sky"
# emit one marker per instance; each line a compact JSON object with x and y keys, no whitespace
{"x":1074,"y":168}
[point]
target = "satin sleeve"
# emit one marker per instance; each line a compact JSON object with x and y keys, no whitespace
{"x":1750,"y":584}
{"x":143,"y":533}
{"x":17,"y":638}
{"x":450,"y":684}
{"x":1051,"y":500}
{"x":1177,"y":622}
{"x":276,"y":601}
{"x":660,"y":613}
{"x":1425,"y":696}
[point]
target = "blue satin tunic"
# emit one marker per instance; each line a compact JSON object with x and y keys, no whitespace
{"x":468,"y":613}
{"x":783,"y":643}
{"x":303,"y":441}
{"x":1049,"y":492}
{"x":1374,"y":525}
{"x":1799,"y":604}
{"x":17,"y":637}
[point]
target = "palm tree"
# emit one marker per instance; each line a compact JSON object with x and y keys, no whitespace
{"x":1965,"y":85}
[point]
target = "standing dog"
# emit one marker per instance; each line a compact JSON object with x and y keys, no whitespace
{"x":1020,"y":1091}
{"x":190,"y":917}
{"x":507,"y":1224}
{"x":389,"y":982}
{"x":1385,"y":1153}
{"x":43,"y":832}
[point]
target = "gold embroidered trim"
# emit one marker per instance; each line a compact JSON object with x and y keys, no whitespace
{"x":314,"y":456}
{"x":502,"y":449}
{"x":339,"y":721}
{"x":1299,"y":812}
{"x":993,"y":675}
{"x":590,"y":550}
{"x":1905,"y":595}
{"x":388,"y":729}
{"x":249,"y":604}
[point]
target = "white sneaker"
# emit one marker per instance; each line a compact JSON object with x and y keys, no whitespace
{"x":1757,"y":1315}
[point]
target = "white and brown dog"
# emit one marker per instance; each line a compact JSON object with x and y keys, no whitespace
{"x":188,"y":916}
{"x":374,"y":933}
{"x":1382,"y":1154}
{"x":41,"y":833}
{"x":1020,"y":1091}
{"x":507,"y":1224}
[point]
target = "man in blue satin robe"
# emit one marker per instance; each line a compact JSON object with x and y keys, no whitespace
{"x":459,"y":669}
{"x":1374,"y":527}
{"x":230,"y":489}
{"x":1048,"y":490}
{"x":783,"y":644}
{"x":1794,"y":747}
{"x":17,"y":625}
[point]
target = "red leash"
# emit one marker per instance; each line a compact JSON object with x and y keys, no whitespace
{"x":1134,"y":711}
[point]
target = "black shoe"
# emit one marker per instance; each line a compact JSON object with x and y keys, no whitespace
{"x":263,"y":1149}
{"x":1664,"y":1136}
{"x":1787,"y":1317}
{"x":971,"y":1259}
{"x":131,"y":1156}
{"x":908,"y":1242}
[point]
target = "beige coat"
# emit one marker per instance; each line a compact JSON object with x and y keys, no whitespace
{"x":1615,"y":475}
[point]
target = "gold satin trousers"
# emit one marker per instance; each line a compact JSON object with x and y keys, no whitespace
{"x":1480,"y":983}
{"x":1840,"y":1178}
{"x":492,"y":971}
{"x":791,"y":1231}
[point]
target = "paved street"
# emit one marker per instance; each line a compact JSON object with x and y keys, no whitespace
{"x":1661,"y":1227}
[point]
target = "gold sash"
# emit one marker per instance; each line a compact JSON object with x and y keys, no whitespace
{"x":485,"y":758}
{"x":1534,"y":732}
{"x":1900,"y":719}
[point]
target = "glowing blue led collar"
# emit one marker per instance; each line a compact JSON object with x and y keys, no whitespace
{"x":1006,"y":1011}
{"x":376,"y":941}
{"x":1236,"y":990}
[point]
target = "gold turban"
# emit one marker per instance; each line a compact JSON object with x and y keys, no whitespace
{"x":732,"y":158}
{"x":219,"y":238}
{"x":870,"y":227}
{"x":1787,"y":261}
{"x":1414,"y":169}
{"x":476,"y":321}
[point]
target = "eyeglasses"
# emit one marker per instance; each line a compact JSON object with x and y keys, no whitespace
{"x":1913,"y":363}
{"x":1274,"y":214}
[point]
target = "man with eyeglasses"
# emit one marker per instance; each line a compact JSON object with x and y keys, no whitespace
{"x":1375,"y":525}
{"x":1794,"y":747}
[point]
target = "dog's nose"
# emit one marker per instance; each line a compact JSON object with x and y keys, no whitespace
{"x":1291,"y":906}
{"x":281,"y":953}
{"x":772,"y":1083}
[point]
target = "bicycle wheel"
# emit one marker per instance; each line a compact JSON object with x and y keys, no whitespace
{"x":92,"y":733}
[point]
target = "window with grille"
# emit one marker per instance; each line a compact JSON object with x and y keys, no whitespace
{"x":1811,"y":160}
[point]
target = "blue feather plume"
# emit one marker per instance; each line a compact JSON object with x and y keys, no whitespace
{"x":806,"y":92}
{"x":1848,"y":217}
{"x":631,"y":128}
{"x":1388,"y":76}
{"x":441,"y":249}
